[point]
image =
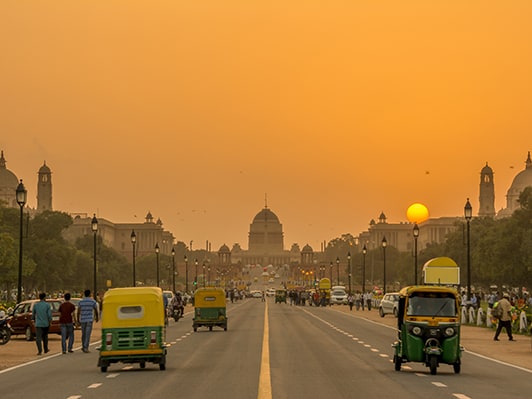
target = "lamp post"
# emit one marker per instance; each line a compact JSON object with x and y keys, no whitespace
{"x":94,"y":228}
{"x":415,"y":232}
{"x":203,"y":274}
{"x":349,"y":269}
{"x":196,"y":277}
{"x":209,"y":275}
{"x":337,"y":270}
{"x":330,"y":269}
{"x":173,"y":269}
{"x":22,"y":196}
{"x":384,"y":243}
{"x":186,"y":274}
{"x":468,"y":213}
{"x":364,"y":252}
{"x":133,"y":242}
{"x":157,"y":256}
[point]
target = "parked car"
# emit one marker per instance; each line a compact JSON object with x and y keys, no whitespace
{"x":389,"y":304}
{"x":21,"y":321}
{"x":338,"y":296}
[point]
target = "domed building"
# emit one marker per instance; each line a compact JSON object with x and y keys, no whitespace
{"x":521,"y":181}
{"x":8,"y":184}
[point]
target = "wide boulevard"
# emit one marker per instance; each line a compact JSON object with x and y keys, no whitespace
{"x":269,"y":351}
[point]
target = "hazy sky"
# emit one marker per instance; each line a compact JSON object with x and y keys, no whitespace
{"x":193,"y":110}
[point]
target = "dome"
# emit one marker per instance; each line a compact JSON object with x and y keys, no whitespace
{"x":524,"y":178}
{"x":44,"y":169}
{"x":224,"y":248}
{"x":8,"y":180}
{"x":266,"y":216}
{"x":307,"y":248}
{"x":486,"y":170}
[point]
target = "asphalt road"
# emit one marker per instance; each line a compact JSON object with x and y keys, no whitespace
{"x":269,"y":351}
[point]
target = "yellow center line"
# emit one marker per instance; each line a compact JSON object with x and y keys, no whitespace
{"x":265,"y":383}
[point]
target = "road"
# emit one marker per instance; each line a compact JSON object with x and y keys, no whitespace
{"x":269,"y":351}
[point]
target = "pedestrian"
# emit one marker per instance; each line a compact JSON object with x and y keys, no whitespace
{"x":506,"y":318}
{"x":87,"y":313}
{"x":66,"y":320}
{"x":350,"y":301}
{"x":42,"y":317}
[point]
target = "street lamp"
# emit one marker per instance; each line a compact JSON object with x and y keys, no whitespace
{"x":157,"y":256}
{"x":203,"y":274}
{"x":209,"y":275}
{"x":468,"y":213}
{"x":22,"y":196}
{"x":133,"y":242}
{"x":415,"y":232}
{"x":337,"y":270}
{"x":173,"y":269}
{"x":186,"y":274}
{"x":94,"y":228}
{"x":384,"y":243}
{"x":364,"y":252}
{"x":196,"y":267}
{"x":330,"y":269}
{"x":349,"y":269}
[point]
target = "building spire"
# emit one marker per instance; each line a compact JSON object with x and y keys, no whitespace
{"x":3,"y":160}
{"x":266,"y":196}
{"x":528,"y":161}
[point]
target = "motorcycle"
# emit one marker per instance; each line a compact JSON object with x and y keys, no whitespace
{"x":177,"y":312}
{"x":5,"y":330}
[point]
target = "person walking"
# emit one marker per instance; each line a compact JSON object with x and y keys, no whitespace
{"x":350,"y":301}
{"x":42,"y":317}
{"x":506,"y":318}
{"x":87,"y":313}
{"x":66,"y":320}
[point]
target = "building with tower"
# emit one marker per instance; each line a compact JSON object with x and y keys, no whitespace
{"x":487,"y":193}
{"x":44,"y":189}
{"x":8,"y":184}
{"x":521,"y":181}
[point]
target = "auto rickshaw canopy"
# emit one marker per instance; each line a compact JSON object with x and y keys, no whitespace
{"x":133,"y":307}
{"x":209,"y":298}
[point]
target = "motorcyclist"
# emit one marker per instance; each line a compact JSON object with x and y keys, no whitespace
{"x":177,"y":304}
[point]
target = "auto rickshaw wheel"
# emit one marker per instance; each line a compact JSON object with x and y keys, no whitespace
{"x":397,"y":362}
{"x":162,"y":366}
{"x":433,"y":364}
{"x":142,"y":365}
{"x":456,"y":367}
{"x":103,"y":369}
{"x":210,"y":328}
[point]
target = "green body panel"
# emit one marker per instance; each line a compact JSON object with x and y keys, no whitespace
{"x":132,"y":338}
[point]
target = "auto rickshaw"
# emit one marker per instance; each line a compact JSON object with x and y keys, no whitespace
{"x":209,"y":308}
{"x":280,"y":296}
{"x":428,"y":325}
{"x":133,"y":327}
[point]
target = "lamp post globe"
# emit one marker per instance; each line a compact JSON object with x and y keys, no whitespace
{"x":21,"y":196}
{"x":94,"y":228}
{"x":133,"y":242}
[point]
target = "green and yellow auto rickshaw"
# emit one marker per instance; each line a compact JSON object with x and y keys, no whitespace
{"x":133,"y":327}
{"x":209,"y":308}
{"x":280,"y":295}
{"x":428,"y":325}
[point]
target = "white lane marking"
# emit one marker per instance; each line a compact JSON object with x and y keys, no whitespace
{"x":367,"y":346}
{"x":127,"y":368}
{"x":461,"y":396}
{"x":419,"y":374}
{"x":112,"y":375}
{"x":383,"y":355}
{"x":374,"y":350}
{"x":74,"y":397}
{"x":265,"y":381}
{"x":439,"y":384}
{"x":499,"y":361}
{"x":95,"y":385}
{"x":407,"y":367}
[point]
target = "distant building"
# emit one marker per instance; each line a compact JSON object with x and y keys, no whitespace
{"x":8,"y":184}
{"x":521,"y":181}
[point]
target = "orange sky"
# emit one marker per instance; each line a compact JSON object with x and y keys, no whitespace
{"x":194,"y":110}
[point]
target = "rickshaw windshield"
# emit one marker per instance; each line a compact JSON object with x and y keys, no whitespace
{"x":431,"y":304}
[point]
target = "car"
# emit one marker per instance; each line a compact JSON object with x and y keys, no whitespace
{"x":270,"y":292}
{"x":256,"y":294}
{"x":389,"y":304}
{"x":21,"y":321}
{"x":338,"y":296}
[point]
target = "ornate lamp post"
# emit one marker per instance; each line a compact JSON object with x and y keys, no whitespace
{"x":364,"y":252}
{"x":384,"y":243}
{"x":330,"y":270}
{"x":349,"y":269}
{"x":173,"y":269}
{"x":196,"y":267}
{"x":337,"y":270}
{"x":94,"y":228}
{"x":186,"y":274}
{"x":157,"y":256}
{"x":133,"y":242}
{"x":203,"y":274}
{"x":22,"y":196}
{"x":468,"y":214}
{"x":415,"y":232}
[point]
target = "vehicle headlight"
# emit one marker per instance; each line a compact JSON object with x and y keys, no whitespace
{"x":449,"y":331}
{"x":416,"y":330}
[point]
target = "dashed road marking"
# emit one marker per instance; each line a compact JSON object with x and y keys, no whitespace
{"x":95,"y":385}
{"x":112,"y":375}
{"x":461,"y":396}
{"x":439,"y":384}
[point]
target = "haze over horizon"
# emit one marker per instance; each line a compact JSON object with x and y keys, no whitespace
{"x":194,"y":111}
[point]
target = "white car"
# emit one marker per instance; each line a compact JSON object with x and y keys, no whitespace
{"x":270,"y":292}
{"x":389,"y":304}
{"x":338,"y":297}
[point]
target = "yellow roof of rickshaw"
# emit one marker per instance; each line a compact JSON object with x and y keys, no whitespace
{"x":408,"y":291}
{"x":442,"y":261}
{"x":209,"y":297}
{"x":149,"y":299}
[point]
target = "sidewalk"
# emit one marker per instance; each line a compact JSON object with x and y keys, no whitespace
{"x":474,"y":339}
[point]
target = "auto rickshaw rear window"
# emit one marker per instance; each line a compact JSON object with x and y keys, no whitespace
{"x":209,"y":298}
{"x":131,"y":312}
